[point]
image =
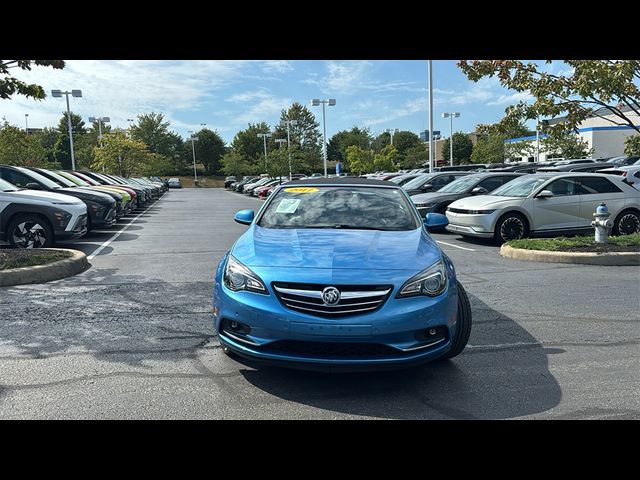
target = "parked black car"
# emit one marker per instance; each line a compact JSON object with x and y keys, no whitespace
{"x":430,"y":182}
{"x":229,"y":180}
{"x":101,"y":208}
{"x":144,"y":196}
{"x":476,"y":184}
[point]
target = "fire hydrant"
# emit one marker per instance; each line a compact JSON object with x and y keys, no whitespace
{"x":602,"y":223}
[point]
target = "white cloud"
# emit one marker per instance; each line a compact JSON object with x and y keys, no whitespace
{"x":276,"y":66}
{"x":344,"y":77}
{"x":122,"y":89}
{"x":262,"y":105}
{"x":511,"y":99}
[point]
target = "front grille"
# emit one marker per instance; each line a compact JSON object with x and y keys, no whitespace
{"x":110,"y":215}
{"x":330,"y":349}
{"x":81,"y":223}
{"x":354,"y":299}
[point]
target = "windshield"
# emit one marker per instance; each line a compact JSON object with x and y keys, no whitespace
{"x":418,"y":181}
{"x":7,"y":187}
{"x":362,"y":208}
{"x":39,"y":178}
{"x":74,"y":179}
{"x":521,"y":187}
{"x":60,"y":179}
{"x":461,"y":185}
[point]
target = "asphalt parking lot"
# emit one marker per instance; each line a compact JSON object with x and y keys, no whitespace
{"x":132,"y":337}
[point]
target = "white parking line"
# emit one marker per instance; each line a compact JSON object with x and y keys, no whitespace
{"x":456,"y":246}
{"x":117,"y":234}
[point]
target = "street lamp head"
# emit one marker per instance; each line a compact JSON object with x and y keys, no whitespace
{"x":93,"y":119}
{"x":56,"y":93}
{"x":315,"y":102}
{"x":445,"y":115}
{"x":456,"y":114}
{"x":76,"y":93}
{"x":106,"y":119}
{"x":332,"y":102}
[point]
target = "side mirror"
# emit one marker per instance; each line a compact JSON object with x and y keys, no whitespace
{"x":545,"y":194}
{"x":427,"y":187}
{"x":244,"y":217}
{"x":479,"y":191}
{"x":435,"y":220}
{"x":33,"y":186}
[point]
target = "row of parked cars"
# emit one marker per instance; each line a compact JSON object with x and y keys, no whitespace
{"x":259,"y":186}
{"x":39,"y":206}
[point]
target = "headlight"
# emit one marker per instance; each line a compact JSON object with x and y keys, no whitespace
{"x":238,"y":277}
{"x":480,"y":212}
{"x":97,"y":209}
{"x":431,"y":282}
{"x":62,"y":218}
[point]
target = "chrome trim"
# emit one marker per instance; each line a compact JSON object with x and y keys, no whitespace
{"x":420,"y":347}
{"x":331,"y":306}
{"x":239,"y":339}
{"x":329,"y":312}
{"x":344,"y":295}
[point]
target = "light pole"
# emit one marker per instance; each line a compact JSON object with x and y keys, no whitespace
{"x":429,"y":68}
{"x":451,"y":116}
{"x":331,"y":102}
{"x":26,"y":123}
{"x":193,"y":149}
{"x":537,"y":139}
{"x":280,"y":141}
{"x":289,"y":122}
{"x":73,"y":93}
{"x":264,"y":138}
{"x":391,"y":132}
{"x":99,"y":120}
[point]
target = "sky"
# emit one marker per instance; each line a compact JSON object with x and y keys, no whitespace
{"x":226,"y":95}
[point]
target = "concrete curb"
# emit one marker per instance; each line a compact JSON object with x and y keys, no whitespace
{"x":73,"y":265}
{"x":586,"y":258}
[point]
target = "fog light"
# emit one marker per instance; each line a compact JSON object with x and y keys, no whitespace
{"x":432,"y":331}
{"x":234,"y":325}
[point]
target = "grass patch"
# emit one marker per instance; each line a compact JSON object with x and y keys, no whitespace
{"x":625,"y":243}
{"x":29,"y":258}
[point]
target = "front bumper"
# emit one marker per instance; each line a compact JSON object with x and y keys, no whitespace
{"x":467,"y":230}
{"x":475,"y":225}
{"x":385,"y":337}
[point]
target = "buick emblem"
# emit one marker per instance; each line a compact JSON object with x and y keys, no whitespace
{"x":330,"y":296}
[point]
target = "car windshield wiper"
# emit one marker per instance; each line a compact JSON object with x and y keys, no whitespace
{"x":349,"y":227}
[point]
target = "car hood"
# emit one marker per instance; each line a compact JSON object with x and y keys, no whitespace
{"x":437,"y":197}
{"x":412,"y":250}
{"x":479,"y":202}
{"x":39,"y":195}
{"x":84,"y":194}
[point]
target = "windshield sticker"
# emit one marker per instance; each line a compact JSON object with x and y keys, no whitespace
{"x":288,"y":205}
{"x":301,"y":190}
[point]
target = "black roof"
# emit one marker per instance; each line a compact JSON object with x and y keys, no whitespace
{"x":342,"y":181}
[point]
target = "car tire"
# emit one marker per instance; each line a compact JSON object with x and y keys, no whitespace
{"x":29,"y":231}
{"x":463,"y":324}
{"x":626,"y":223}
{"x":512,"y":226}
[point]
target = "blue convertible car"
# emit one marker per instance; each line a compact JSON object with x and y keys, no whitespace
{"x":339,"y":272}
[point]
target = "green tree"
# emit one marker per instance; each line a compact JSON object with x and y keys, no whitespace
{"x":177,"y":155}
{"x":233,"y":164}
{"x":123,"y":156}
{"x":462,"y":148}
{"x":18,"y":148}
{"x":508,"y":127}
{"x":359,"y":160}
{"x":153,"y":131}
{"x":62,"y":146}
{"x":338,"y":144}
{"x":404,"y":140}
{"x":249,"y":146}
{"x":588,"y":86}
{"x":9,"y":85}
{"x":632,"y":145}
{"x":305,"y":134}
{"x":385,"y":159}
{"x":565,"y":144}
{"x":210,"y":148}
{"x":415,"y":157}
{"x":48,"y":138}
{"x":489,"y":149}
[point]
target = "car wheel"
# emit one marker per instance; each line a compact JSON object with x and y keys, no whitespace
{"x":626,"y":223}
{"x":29,"y":231}
{"x":512,"y":226}
{"x":463,"y":326}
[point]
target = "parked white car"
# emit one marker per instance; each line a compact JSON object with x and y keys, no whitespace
{"x":631,"y":174}
{"x":546,"y":204}
{"x":33,"y":219}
